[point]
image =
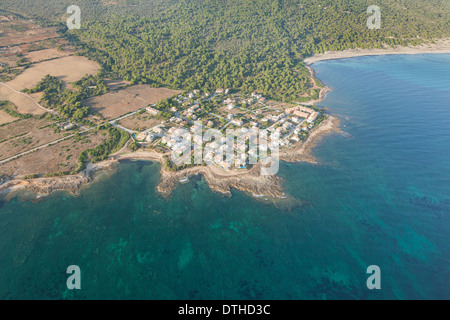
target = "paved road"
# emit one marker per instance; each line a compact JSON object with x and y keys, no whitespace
{"x":113,"y":122}
{"x":122,"y":128}
{"x":125,"y":116}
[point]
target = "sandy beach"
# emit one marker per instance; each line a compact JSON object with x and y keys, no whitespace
{"x":441,"y":46}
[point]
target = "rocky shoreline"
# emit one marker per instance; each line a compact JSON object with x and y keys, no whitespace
{"x":249,"y":181}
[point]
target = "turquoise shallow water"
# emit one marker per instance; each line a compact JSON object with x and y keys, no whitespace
{"x":381,"y":196}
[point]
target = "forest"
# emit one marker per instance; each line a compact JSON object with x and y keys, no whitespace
{"x":66,"y":102}
{"x":247,"y":45}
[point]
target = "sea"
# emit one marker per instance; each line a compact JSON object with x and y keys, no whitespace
{"x":378,"y":196}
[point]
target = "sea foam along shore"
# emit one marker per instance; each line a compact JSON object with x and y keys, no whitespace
{"x":440,"y":46}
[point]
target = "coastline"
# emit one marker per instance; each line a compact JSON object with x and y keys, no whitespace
{"x":441,"y":46}
{"x":302,"y":152}
{"x":249,"y":181}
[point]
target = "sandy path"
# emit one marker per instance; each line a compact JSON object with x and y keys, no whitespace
{"x":27,"y":96}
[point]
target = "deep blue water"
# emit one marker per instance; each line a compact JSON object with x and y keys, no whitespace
{"x":380,"y":196}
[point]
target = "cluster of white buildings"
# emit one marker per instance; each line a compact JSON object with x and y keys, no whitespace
{"x":190,"y":112}
{"x":308,"y":114}
{"x":151,"y":134}
{"x":152,"y":111}
{"x":223,"y":91}
{"x":288,"y":124}
{"x":67,"y":126}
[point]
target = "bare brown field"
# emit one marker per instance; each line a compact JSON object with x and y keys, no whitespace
{"x":60,"y":157}
{"x":116,"y":84}
{"x":152,"y":95}
{"x":114,"y":104}
{"x":4,"y":18}
{"x":224,"y":112}
{"x":139,"y":122}
{"x":270,"y":112}
{"x":11,"y":56}
{"x":68,"y":69}
{"x":25,"y":135}
{"x":23,"y":104}
{"x":8,"y":56}
{"x":47,"y":54}
{"x":20,"y":127}
{"x":9,"y":61}
{"x":5,"y":118}
{"x":279,"y":105}
{"x":28,"y":33}
{"x":34,"y":52}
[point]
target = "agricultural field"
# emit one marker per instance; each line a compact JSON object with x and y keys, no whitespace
{"x":28,"y":52}
{"x":24,"y":104}
{"x":26,"y":134}
{"x":139,"y":122}
{"x":115,"y":84}
{"x":16,"y":31}
{"x":48,"y":54}
{"x":25,"y":41}
{"x":61,"y":157}
{"x":281,"y":106}
{"x":117,"y":103}
{"x":6,"y":118}
{"x":68,"y":69}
